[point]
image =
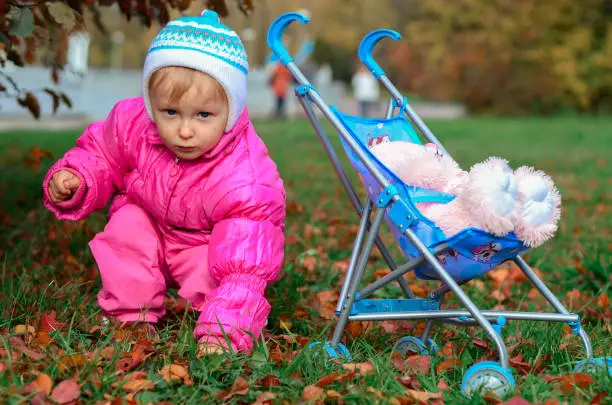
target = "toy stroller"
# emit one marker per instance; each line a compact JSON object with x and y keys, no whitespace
{"x":420,"y":239}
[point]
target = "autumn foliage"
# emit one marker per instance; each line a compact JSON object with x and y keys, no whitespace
{"x":509,"y":56}
{"x":30,"y":26}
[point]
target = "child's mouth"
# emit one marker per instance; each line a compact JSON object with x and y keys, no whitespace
{"x":185,"y":149}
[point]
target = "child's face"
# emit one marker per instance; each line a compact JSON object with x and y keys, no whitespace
{"x":193,"y":124}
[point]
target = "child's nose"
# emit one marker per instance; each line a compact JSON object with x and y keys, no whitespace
{"x":185,"y":132}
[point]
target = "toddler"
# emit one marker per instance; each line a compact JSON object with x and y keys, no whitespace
{"x":196,"y":202}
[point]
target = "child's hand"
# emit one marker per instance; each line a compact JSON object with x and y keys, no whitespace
{"x":63,"y":185}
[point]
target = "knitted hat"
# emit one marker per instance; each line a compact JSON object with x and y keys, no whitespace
{"x":201,"y":43}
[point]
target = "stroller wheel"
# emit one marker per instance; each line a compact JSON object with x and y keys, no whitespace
{"x":339,"y":352}
{"x":411,"y":344}
{"x":487,"y":376}
{"x":595,"y":366}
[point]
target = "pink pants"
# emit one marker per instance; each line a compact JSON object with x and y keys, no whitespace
{"x":138,"y":260}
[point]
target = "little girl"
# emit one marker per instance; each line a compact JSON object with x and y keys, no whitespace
{"x":196,"y":202}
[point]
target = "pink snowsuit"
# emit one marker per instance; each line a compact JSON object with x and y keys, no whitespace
{"x":212,"y":227}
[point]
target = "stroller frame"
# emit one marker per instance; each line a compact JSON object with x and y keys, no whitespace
{"x":353,"y":304}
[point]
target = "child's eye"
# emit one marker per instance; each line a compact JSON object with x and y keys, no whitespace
{"x":203,"y":114}
{"x":170,"y":112}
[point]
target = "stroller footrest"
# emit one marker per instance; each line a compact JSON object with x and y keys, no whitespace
{"x":393,"y":305}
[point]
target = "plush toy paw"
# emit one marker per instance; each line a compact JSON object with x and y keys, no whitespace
{"x":538,"y":207}
{"x":490,"y":195}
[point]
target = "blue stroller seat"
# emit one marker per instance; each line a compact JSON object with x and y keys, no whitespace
{"x":470,"y":253}
{"x":453,"y":261}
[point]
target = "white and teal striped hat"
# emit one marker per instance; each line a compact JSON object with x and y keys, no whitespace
{"x":202,"y":43}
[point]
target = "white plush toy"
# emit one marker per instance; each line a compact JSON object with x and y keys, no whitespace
{"x":491,"y":196}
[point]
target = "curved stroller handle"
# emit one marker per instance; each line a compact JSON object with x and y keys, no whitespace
{"x":276,"y":31}
{"x":367,"y":46}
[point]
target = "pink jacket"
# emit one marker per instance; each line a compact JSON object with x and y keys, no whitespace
{"x":233,"y":195}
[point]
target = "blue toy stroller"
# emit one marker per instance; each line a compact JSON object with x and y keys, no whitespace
{"x":473,"y":251}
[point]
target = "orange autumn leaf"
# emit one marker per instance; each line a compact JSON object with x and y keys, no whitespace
{"x":424,"y":396}
{"x":380,"y":273}
{"x":312,"y":392}
{"x":176,"y":372}
{"x":70,"y":362}
{"x":361,"y":368}
{"x":137,"y":385}
{"x":604,"y":301}
{"x":44,"y":382}
{"x":448,"y":364}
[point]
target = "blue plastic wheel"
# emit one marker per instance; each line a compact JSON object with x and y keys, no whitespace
{"x":339,"y":352}
{"x":411,"y":344}
{"x":487,"y":376}
{"x":594,"y":365}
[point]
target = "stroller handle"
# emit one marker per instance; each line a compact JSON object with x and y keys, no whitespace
{"x":367,"y":46}
{"x":276,"y":31}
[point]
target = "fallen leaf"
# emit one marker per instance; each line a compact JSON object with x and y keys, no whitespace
{"x":448,"y":364}
{"x":48,"y":323}
{"x":66,"y":391}
{"x":577,"y":379}
{"x":423,"y":395}
{"x":239,"y":387}
{"x":269,"y":381}
{"x":24,"y":329}
{"x":310,"y":262}
{"x":176,"y":372}
{"x":517,"y":401}
{"x":416,"y":364}
{"x":265,"y":399}
{"x":71,"y":361}
{"x":44,"y":382}
{"x":312,"y":392}
{"x":361,"y":368}
{"x":332,"y":394}
{"x":137,"y":385}
{"x":326,"y":380}
{"x":597,"y":399}
{"x":442,"y":385}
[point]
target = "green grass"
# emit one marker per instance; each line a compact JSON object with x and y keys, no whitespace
{"x":46,"y":266}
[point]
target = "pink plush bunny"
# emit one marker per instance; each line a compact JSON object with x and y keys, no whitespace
{"x":491,"y":196}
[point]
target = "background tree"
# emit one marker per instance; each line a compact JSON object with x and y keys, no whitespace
{"x":28,"y":27}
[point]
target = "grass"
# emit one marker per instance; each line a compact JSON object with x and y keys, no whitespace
{"x":49,"y":283}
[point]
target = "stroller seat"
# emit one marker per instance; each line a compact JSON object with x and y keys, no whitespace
{"x":470,"y":253}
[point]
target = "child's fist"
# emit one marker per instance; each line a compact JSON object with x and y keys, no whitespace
{"x":63,"y":185}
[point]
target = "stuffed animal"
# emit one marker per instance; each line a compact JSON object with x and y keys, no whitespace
{"x":491,"y":196}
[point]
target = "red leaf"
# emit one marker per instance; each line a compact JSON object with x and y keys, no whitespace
{"x":597,"y":399}
{"x":414,"y":364}
{"x":66,"y":391}
{"x":47,"y":322}
{"x":516,"y":401}
{"x":577,"y":379}
{"x":269,"y":381}
{"x":326,"y":380}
